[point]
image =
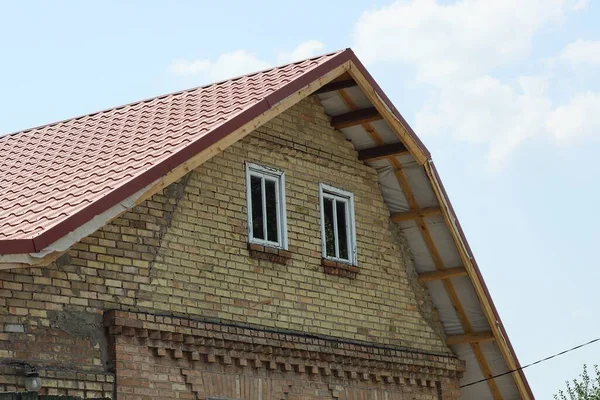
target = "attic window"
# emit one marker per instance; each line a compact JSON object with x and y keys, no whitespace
{"x":338,"y":237}
{"x":265,"y":195}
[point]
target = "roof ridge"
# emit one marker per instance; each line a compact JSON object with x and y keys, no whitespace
{"x":162,"y":96}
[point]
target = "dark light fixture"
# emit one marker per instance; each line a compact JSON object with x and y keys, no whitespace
{"x":33,"y":382}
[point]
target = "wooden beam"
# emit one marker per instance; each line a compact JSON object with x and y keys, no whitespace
{"x":468,"y":338}
{"x":381,"y":152}
{"x":421,"y":213}
{"x":337,"y":85}
{"x":355,"y":118}
{"x":443,"y":274}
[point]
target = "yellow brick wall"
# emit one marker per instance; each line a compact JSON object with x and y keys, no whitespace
{"x":203,"y":266}
{"x":184,"y":252}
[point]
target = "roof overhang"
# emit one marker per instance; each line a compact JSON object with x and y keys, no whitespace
{"x":419,"y":203}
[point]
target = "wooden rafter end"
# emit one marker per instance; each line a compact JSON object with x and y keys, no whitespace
{"x":442,"y":274}
{"x":357,"y":117}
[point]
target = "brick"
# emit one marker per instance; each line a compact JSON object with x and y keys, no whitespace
{"x":256,"y":247}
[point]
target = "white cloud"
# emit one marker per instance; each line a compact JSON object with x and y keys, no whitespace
{"x":457,"y":48}
{"x":452,"y":41}
{"x":227,"y":65}
{"x":304,"y":50}
{"x":578,"y":119}
{"x":239,"y":62}
{"x":582,"y":52}
{"x":581,"y":5}
{"x":485,"y":110}
{"x":501,"y":116}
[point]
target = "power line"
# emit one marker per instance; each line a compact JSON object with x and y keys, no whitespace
{"x":529,"y":365}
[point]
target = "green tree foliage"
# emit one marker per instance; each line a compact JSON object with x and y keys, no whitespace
{"x":586,"y":388}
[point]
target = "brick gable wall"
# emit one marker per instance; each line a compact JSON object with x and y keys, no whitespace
{"x":184,"y":252}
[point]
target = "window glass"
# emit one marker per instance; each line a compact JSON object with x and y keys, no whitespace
{"x":266,"y":206}
{"x":257,"y":209}
{"x":271,"y":206}
{"x":342,"y":236}
{"x":337,"y":224}
{"x":329,"y":231}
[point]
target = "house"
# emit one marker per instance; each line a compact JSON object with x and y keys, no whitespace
{"x":280,"y":235}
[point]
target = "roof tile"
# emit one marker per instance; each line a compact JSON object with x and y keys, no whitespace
{"x":52,"y":172}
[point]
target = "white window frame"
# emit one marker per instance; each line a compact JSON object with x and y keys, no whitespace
{"x":330,"y":192}
{"x":278,"y":177}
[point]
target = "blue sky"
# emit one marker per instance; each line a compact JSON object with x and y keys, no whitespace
{"x":505,"y":94}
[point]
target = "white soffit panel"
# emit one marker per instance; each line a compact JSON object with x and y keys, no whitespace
{"x":380,"y":165}
{"x":333,"y":103}
{"x":472,"y":374}
{"x":419,"y":183}
{"x":470,"y":302}
{"x":444,"y":243}
{"x":405,"y":159}
{"x":497,"y":365}
{"x":359,"y":137}
{"x":392,"y":192}
{"x":384,"y":131}
{"x":418,"y":248}
{"x":358,"y":97}
{"x":446,"y":311}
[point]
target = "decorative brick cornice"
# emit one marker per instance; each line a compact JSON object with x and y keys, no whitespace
{"x":252,"y":348}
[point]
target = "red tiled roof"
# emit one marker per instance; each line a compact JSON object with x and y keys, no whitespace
{"x":57,"y":177}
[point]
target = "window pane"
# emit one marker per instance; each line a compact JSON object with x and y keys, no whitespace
{"x":342,"y":229}
{"x":257,"y":214}
{"x":329,"y":240}
{"x":271,"y":195}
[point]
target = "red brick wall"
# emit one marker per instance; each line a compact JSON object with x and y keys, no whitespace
{"x":173,"y":358}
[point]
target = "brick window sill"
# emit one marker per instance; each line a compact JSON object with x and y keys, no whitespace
{"x":339,"y":269}
{"x":272,"y":254}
